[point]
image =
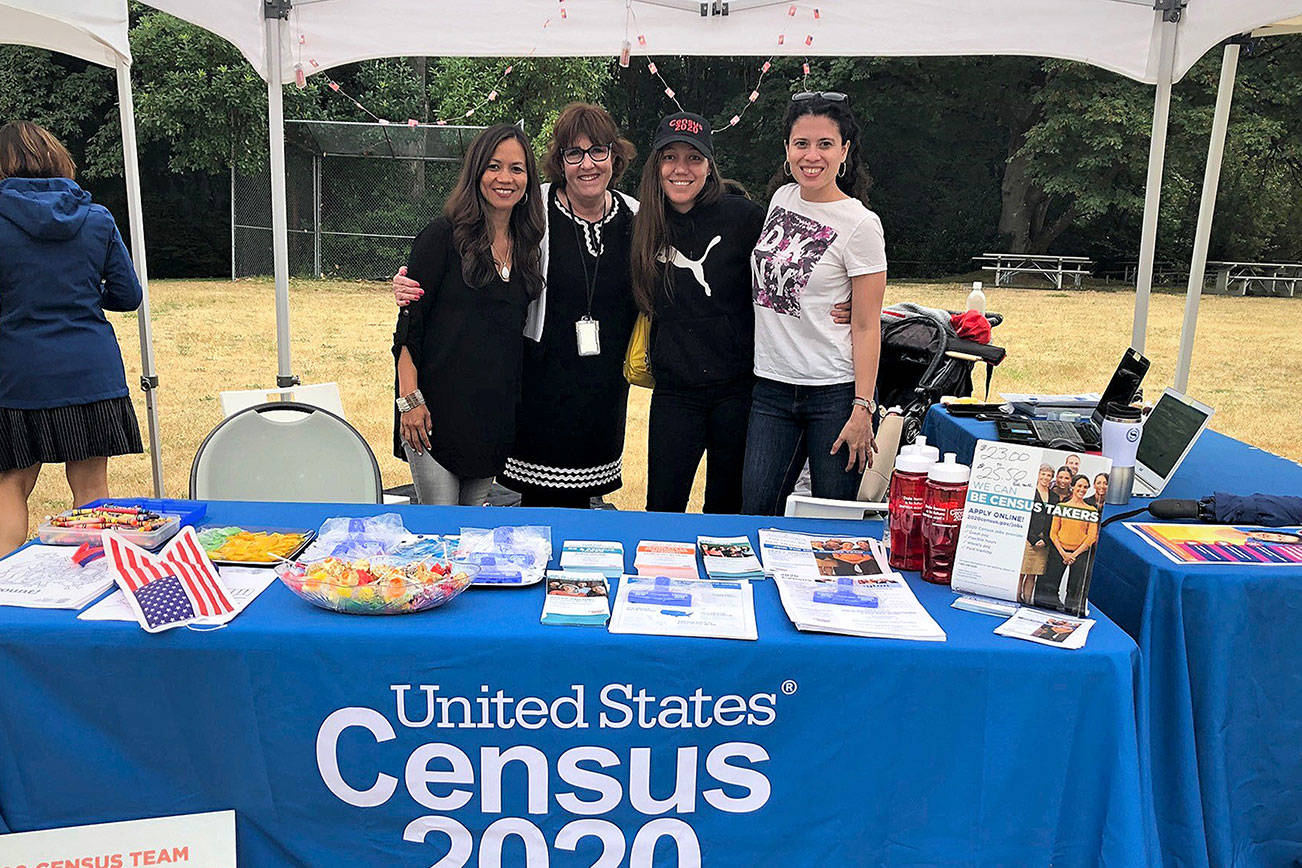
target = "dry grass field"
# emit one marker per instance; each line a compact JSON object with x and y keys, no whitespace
{"x":215,"y":335}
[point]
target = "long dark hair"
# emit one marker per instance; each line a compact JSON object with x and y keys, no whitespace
{"x":856,"y":182}
{"x":651,"y":230}
{"x":466,"y":210}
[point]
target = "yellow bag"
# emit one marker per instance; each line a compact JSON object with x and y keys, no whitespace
{"x":637,"y":360}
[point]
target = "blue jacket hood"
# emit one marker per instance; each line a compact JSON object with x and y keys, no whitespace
{"x":47,"y":209}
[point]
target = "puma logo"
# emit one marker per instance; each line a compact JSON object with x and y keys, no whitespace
{"x":673,"y":256}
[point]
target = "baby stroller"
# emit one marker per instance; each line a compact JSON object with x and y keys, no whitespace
{"x":923,"y":358}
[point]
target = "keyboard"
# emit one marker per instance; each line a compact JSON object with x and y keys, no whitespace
{"x":1051,"y":429}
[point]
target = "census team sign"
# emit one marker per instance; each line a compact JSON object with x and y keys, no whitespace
{"x":194,"y":840}
{"x":493,"y":772}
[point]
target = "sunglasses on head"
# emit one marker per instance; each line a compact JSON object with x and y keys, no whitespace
{"x":829,"y":95}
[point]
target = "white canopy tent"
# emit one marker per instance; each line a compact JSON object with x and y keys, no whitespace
{"x":1155,"y":43}
{"x":1207,"y":205}
{"x":96,"y":31}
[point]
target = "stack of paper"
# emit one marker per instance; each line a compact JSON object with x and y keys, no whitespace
{"x":1047,"y":628}
{"x":674,"y":559}
{"x":820,"y":555}
{"x":879,"y":606}
{"x":576,"y":598}
{"x":596,"y":556}
{"x":729,"y":557}
{"x":45,"y":577}
{"x":661,"y":606}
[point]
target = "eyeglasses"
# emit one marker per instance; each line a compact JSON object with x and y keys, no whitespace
{"x":829,"y":95}
{"x":598,"y":153}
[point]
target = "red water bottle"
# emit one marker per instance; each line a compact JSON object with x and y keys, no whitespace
{"x":908,"y":494}
{"x":942,"y":516}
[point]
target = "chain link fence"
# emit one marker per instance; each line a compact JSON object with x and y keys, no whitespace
{"x":356,"y":195}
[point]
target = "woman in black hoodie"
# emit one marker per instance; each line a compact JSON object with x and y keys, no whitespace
{"x":690,"y":257}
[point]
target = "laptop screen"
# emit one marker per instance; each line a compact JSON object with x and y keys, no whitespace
{"x":1167,"y":433}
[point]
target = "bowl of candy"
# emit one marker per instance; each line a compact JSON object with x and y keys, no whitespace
{"x":380,"y":585}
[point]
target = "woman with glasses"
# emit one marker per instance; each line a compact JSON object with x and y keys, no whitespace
{"x":569,"y":440}
{"x":815,"y":378}
{"x":457,"y":348}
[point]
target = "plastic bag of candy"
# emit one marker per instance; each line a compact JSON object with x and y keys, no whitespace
{"x":507,"y":556}
{"x":347,"y":538}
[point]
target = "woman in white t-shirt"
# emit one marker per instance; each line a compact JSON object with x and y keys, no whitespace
{"x":815,"y":378}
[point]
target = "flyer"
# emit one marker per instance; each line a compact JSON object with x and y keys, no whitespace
{"x":664,"y":606}
{"x":882,"y":607}
{"x":1224,"y":544}
{"x":820,"y":555}
{"x":1031,"y":525}
{"x":45,"y":577}
{"x":729,"y":557}
{"x":1047,"y":628}
{"x":576,"y":598}
{"x":602,"y":556}
{"x":660,"y":558}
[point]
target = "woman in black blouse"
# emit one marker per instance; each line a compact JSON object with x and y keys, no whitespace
{"x":457,"y":348}
{"x":569,"y":441}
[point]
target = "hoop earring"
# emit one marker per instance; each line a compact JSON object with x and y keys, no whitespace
{"x":840,"y":173}
{"x":525,"y":200}
{"x":786,"y":168}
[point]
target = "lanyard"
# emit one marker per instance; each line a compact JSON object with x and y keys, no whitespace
{"x":589,"y":284}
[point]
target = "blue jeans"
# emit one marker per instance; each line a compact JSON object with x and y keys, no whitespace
{"x":789,"y":424}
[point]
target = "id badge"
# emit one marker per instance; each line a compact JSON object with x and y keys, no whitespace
{"x":588,"y":333}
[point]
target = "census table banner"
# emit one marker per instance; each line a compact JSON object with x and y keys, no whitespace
{"x":196,"y":840}
{"x":473,"y":735}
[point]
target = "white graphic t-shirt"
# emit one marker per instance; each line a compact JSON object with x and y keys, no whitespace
{"x":801,"y":267}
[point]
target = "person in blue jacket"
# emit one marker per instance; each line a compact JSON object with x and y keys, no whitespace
{"x":63,"y":390}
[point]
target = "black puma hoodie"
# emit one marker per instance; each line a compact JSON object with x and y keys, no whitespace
{"x":703,"y":330}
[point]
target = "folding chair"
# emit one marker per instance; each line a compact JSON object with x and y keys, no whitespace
{"x":288,"y":451}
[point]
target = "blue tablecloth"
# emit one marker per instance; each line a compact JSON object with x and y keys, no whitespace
{"x":835,"y":751}
{"x":1222,"y":673}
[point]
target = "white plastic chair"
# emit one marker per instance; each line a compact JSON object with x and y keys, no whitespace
{"x":323,"y":395}
{"x":285,"y":451}
{"x":804,"y":506}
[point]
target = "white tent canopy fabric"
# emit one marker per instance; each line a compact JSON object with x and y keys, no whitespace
{"x":1152,"y":41}
{"x":96,"y":31}
{"x":1118,"y":35}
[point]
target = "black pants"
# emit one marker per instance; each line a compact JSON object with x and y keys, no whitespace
{"x":686,"y":423}
{"x":557,"y":497}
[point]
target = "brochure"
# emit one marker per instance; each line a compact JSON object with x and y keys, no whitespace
{"x":820,"y":555}
{"x":1224,"y":544}
{"x":1046,"y":628}
{"x":576,"y":598}
{"x":674,"y":559}
{"x":1031,"y":525}
{"x":46,"y":577}
{"x":664,"y":606}
{"x":985,"y":605}
{"x":729,"y":557}
{"x":600,"y":556}
{"x":882,"y":607}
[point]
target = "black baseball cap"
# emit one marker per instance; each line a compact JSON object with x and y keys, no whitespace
{"x":685,"y":127}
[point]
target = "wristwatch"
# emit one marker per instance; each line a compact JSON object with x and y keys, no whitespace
{"x":867,"y":403}
{"x":410,"y":402}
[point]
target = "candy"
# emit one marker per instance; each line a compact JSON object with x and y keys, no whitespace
{"x":376,"y":586}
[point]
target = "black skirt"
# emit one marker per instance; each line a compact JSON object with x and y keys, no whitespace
{"x":57,"y":435}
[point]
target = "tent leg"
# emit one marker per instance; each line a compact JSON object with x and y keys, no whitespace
{"x":131,"y":165}
{"x":1206,"y":209}
{"x":279,"y":220}
{"x":1153,"y":188}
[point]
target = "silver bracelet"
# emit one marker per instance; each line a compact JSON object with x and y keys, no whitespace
{"x":410,"y":402}
{"x":867,"y":404}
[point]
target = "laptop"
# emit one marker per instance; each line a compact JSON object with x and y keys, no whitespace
{"x":1086,"y":434}
{"x":1172,"y":428}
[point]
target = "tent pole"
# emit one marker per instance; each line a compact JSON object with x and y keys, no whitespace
{"x":135,"y":216}
{"x":1206,"y":209}
{"x":279,"y":221}
{"x":1153,"y":188}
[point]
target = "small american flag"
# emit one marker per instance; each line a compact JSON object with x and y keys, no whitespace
{"x":174,"y":587}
